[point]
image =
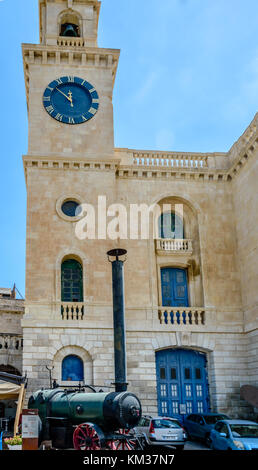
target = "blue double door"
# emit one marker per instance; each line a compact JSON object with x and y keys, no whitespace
{"x":182,"y":383}
{"x":174,"y":287}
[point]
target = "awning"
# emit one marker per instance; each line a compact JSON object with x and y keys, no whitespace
{"x":9,"y":391}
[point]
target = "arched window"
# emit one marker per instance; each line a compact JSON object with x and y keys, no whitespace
{"x":71,"y":281}
{"x":72,"y":369}
{"x":171,"y":226}
{"x":70,"y":25}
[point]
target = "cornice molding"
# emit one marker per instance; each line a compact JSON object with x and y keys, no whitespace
{"x":88,"y":57}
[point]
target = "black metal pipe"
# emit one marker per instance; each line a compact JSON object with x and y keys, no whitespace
{"x":119,"y":325}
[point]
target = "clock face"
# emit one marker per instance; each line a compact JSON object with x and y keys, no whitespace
{"x":71,"y":100}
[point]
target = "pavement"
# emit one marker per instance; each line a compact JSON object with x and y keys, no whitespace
{"x":195,"y":445}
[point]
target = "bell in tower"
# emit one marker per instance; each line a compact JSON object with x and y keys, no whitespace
{"x":69,"y":18}
{"x":70,"y":30}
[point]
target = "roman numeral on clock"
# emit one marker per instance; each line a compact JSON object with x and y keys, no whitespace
{"x":50,"y":109}
{"x":70,"y":79}
{"x":59,"y":117}
{"x":71,"y":120}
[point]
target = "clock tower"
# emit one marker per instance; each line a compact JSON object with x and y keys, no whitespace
{"x":69,"y":83}
{"x":71,"y":160}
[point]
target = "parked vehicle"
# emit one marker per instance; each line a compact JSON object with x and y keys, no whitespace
{"x":160,"y":430}
{"x":199,"y":425}
{"x":235,"y":434}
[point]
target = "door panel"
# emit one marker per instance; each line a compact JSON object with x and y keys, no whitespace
{"x":174,"y":287}
{"x":182,"y":385}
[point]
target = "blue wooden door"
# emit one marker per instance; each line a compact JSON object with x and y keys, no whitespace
{"x":182,"y":384}
{"x":174,"y":287}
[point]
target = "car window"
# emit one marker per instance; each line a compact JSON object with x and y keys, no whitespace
{"x":165,"y":423}
{"x":218,"y":426}
{"x":141,"y":422}
{"x":198,"y":419}
{"x":244,"y":430}
{"x":224,"y":429}
{"x":144,"y":422}
{"x":212,"y":419}
{"x":191,"y":418}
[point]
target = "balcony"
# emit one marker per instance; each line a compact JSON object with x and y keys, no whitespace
{"x":72,"y":310}
{"x":11,"y":341}
{"x":70,"y":41}
{"x":174,"y":160}
{"x":177,"y":246}
{"x":181,"y":316}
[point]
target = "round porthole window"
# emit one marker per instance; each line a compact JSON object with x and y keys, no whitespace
{"x":71,"y":208}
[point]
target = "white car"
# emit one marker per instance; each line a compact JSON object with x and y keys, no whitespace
{"x":160,"y":431}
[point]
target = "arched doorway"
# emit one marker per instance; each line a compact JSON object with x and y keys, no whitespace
{"x":9,"y":369}
{"x":72,"y":368}
{"x":182,"y":382}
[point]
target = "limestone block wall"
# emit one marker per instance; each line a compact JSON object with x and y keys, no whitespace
{"x":226,"y":361}
{"x":246,"y":216}
{"x":11,"y":343}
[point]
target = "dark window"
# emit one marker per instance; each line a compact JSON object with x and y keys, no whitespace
{"x":71,"y":208}
{"x":198,"y":374}
{"x":72,"y":369}
{"x":191,"y":418}
{"x":218,"y":426}
{"x":162,"y":373}
{"x":212,"y":419}
{"x":224,"y":429}
{"x":187,"y":373}
{"x":198,"y":419}
{"x":165,"y":423}
{"x":173,"y":373}
{"x":171,"y":226}
{"x":71,"y":279}
{"x":70,"y":30}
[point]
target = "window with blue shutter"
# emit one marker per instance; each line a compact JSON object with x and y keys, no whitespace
{"x":174,"y":287}
{"x":72,"y":369}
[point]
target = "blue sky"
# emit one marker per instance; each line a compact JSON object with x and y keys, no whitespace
{"x":187,"y":81}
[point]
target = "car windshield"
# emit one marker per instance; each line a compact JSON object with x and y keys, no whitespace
{"x":212,"y":419}
{"x":244,"y":430}
{"x":165,"y":423}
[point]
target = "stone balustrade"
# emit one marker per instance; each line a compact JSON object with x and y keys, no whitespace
{"x":174,"y":245}
{"x":181,"y":316}
{"x":70,"y":41}
{"x":72,"y":311}
{"x":171,"y":160}
{"x":11,"y":341}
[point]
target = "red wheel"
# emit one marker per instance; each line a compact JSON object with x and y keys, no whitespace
{"x":126,"y":443}
{"x":85,"y":437}
{"x":111,"y":445}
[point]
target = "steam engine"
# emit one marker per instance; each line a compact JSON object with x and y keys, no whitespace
{"x":64,"y":413}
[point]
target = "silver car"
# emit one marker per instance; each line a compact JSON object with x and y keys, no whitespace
{"x":160,"y":431}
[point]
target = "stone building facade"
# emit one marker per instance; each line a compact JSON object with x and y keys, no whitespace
{"x":11,"y":339}
{"x":11,"y":342}
{"x":190,"y":352}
